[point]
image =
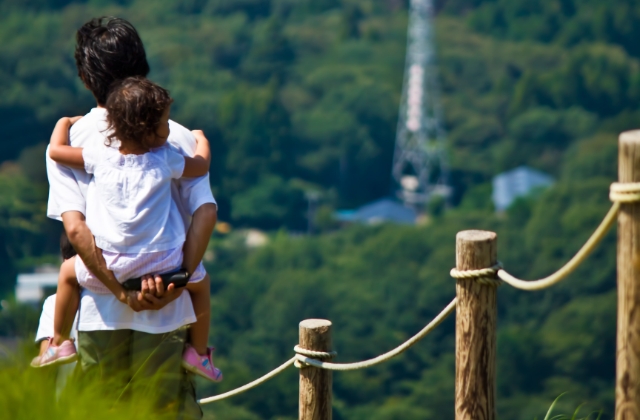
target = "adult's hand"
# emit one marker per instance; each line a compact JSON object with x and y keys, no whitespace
{"x":132,"y":298}
{"x":153,"y":295}
{"x":153,"y":287}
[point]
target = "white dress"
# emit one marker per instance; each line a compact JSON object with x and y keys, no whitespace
{"x":134,"y":220}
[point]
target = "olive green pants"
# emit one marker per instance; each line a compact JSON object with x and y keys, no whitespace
{"x":136,"y":366}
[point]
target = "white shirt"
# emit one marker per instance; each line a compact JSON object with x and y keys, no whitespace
{"x":134,"y":212}
{"x":45,"y":326}
{"x":100,"y":312}
{"x":73,"y":190}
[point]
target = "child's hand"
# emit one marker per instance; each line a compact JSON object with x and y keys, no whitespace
{"x":198,"y":165}
{"x":59,"y":149}
{"x":69,"y":121}
{"x":199,"y":135}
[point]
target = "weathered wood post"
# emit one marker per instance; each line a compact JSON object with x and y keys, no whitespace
{"x":476,"y":314}
{"x":315,"y":384}
{"x":628,"y":342}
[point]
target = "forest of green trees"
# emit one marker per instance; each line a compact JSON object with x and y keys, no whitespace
{"x":301,"y":95}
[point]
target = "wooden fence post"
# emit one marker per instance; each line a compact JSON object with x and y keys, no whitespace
{"x":476,"y":313}
{"x":628,"y":342}
{"x":315,"y":384}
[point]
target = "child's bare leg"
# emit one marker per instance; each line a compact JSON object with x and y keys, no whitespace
{"x":67,"y":301}
{"x":199,"y":332}
{"x":44,"y":345}
{"x":202,"y":224}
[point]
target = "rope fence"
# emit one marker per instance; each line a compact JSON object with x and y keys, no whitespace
{"x":275,"y":372}
{"x":621,"y":193}
{"x":305,"y":360}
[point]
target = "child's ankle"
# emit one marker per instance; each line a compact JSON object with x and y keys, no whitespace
{"x":58,"y":340}
{"x":201,"y":350}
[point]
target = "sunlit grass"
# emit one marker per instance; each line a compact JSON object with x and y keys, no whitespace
{"x":594,"y":415}
{"x":27,"y":394}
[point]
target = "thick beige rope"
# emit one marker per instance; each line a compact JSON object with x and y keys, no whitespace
{"x":486,"y":276}
{"x":624,"y":192}
{"x":301,"y":360}
{"x":314,"y":354}
{"x":618,"y":193}
{"x":573,"y":263}
{"x":250,"y":385}
{"x":304,"y":360}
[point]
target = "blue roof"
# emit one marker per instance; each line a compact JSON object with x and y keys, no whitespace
{"x":518,"y":182}
{"x":345,"y":215}
{"x":383,"y":210}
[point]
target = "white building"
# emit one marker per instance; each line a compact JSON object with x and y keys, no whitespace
{"x":31,"y":287}
{"x":518,"y":182}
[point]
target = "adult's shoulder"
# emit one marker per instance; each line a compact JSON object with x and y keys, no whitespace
{"x":90,"y":129}
{"x":181,"y":138}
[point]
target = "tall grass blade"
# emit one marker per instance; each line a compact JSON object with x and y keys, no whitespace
{"x":575,"y":413}
{"x":548,"y":416}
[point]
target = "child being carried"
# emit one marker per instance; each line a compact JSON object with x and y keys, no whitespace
{"x":136,"y":224}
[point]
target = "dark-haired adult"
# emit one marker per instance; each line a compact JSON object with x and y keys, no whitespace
{"x":132,"y":337}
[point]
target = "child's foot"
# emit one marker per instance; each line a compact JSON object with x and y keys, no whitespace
{"x":56,"y":355}
{"x":201,"y":365}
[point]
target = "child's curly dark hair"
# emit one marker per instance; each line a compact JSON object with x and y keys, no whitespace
{"x":66,"y":249}
{"x":135,"y":106}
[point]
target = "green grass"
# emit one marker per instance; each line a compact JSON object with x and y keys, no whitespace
{"x":574,"y":416}
{"x":27,"y":393}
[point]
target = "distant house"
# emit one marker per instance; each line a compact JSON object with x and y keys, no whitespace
{"x":518,"y":182}
{"x":379,"y":211}
{"x":33,"y":287}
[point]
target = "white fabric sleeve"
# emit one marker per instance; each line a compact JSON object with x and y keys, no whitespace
{"x":175,"y":163}
{"x":91,"y":156}
{"x":194,"y":192}
{"x":64,"y":192}
{"x":45,"y":326}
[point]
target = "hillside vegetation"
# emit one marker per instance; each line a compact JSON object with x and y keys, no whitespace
{"x":303,"y":95}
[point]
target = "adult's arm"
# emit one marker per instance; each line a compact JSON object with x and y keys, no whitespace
{"x":193,"y":197}
{"x":202,"y":224}
{"x":84,"y":243}
{"x":195,"y":245}
{"x":204,"y":216}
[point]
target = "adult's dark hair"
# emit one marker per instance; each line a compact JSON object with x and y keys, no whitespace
{"x":108,"y":49}
{"x":135,"y":106}
{"x":66,"y":249}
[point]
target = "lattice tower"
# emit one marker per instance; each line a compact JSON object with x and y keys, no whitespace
{"x":420,"y":168}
